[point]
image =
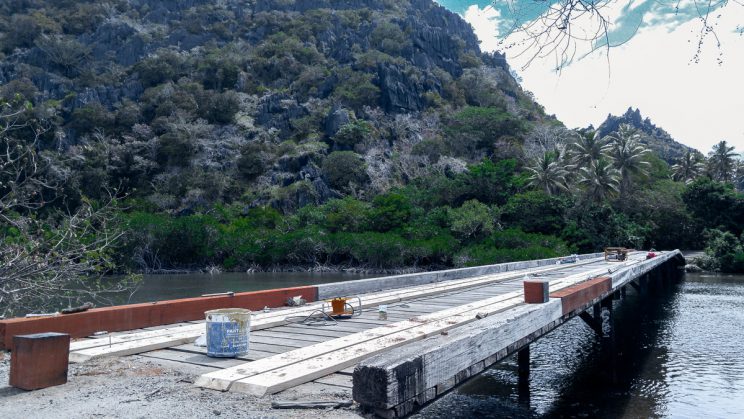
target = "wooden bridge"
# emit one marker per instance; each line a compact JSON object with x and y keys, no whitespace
{"x":440,"y":329}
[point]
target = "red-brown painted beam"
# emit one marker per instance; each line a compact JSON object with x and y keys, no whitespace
{"x":136,"y":316}
{"x":580,"y":295}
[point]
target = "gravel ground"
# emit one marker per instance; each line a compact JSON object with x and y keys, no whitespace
{"x":137,"y":387}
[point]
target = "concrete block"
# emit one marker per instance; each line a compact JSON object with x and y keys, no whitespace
{"x":536,"y":291}
{"x":39,"y":360}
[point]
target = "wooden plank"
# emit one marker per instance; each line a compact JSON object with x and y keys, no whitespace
{"x":301,"y":330}
{"x":276,"y":377}
{"x":252,"y":355}
{"x":279,"y":379}
{"x":136,"y":347}
{"x":293,"y":336}
{"x":276,"y":349}
{"x":183,"y":334}
{"x":191,"y":358}
{"x":347,"y":371}
{"x":390,"y":379}
{"x":336,"y":380}
{"x":299,"y":404}
{"x":268,"y":340}
{"x":222,"y":380}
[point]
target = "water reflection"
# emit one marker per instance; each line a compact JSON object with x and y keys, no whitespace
{"x":678,"y":355}
{"x":168,"y":287}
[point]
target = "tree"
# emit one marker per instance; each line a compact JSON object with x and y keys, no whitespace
{"x":556,"y":28}
{"x":548,"y":174}
{"x":342,"y":169}
{"x":47,"y":256}
{"x":715,"y":205}
{"x":628,"y":156}
{"x":588,"y":148}
{"x":689,"y":167}
{"x":471,"y":219}
{"x":600,"y":179}
{"x":721,"y":162}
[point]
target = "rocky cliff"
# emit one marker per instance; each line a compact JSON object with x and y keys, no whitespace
{"x":188,"y":103}
{"x":654,"y":137}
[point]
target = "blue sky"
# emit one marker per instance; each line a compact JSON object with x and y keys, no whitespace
{"x":652,"y":66}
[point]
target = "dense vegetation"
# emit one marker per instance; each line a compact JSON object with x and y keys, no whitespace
{"x":369,"y":133}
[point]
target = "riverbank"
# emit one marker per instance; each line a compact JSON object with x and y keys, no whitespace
{"x":333,"y":269}
{"x":135,"y":387}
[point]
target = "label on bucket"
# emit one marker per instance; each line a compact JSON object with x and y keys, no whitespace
{"x":227,"y":335}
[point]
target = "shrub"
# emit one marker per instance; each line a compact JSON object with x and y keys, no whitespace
{"x":471,"y":220}
{"x":353,"y":133}
{"x":535,"y":212}
{"x":347,"y":214}
{"x":342,"y":168}
{"x":726,"y":252}
{"x":356,"y":89}
{"x":477,"y":128}
{"x":390,"y":211}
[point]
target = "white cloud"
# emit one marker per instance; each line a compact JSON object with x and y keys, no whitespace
{"x":699,"y":104}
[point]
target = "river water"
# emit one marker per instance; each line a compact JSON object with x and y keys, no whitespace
{"x":168,"y":287}
{"x":680,"y":354}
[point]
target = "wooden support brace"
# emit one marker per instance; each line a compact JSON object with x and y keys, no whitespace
{"x":594,"y":323}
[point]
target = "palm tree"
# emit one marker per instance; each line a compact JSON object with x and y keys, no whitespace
{"x":547,"y":173}
{"x":588,"y":148}
{"x":628,"y":155}
{"x":689,"y":167}
{"x":600,"y":179}
{"x":721,"y":161}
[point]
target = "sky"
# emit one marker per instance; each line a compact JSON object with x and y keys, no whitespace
{"x":651,"y":66}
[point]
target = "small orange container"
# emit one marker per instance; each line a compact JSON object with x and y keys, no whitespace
{"x":338,"y":305}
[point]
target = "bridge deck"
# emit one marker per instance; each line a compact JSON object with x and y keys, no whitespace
{"x":289,"y":336}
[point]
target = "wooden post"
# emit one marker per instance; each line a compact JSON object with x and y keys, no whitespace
{"x":536,"y":291}
{"x":643,"y":284}
{"x":39,"y":360}
{"x":523,"y":363}
{"x":612,"y":347}
{"x":523,"y":383}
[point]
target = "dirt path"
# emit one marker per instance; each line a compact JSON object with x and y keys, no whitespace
{"x":135,"y":387}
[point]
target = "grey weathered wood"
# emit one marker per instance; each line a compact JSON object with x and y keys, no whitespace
{"x":304,"y":330}
{"x":192,"y":358}
{"x":339,"y":380}
{"x":400,"y":281}
{"x":293,"y":336}
{"x":393,"y":383}
{"x":389,"y":379}
{"x":320,"y":404}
